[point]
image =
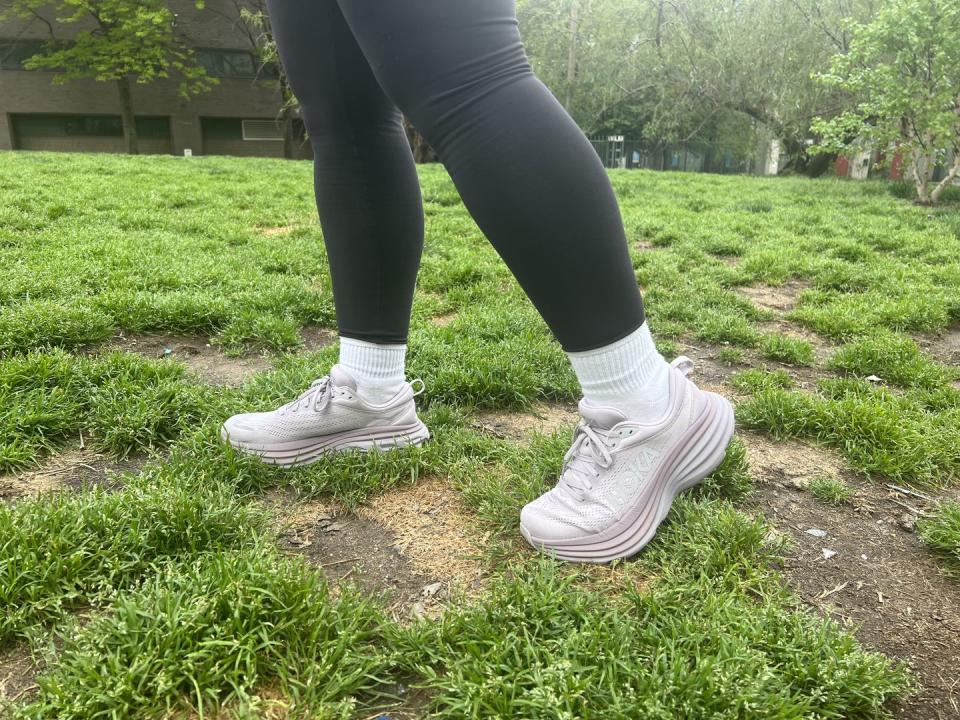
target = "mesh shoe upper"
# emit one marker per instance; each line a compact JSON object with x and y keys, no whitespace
{"x":330,"y":405}
{"x":607,"y":466}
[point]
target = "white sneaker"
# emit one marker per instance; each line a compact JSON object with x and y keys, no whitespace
{"x":620,"y":477}
{"x":330,"y":416}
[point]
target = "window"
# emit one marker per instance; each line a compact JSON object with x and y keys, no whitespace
{"x":228,"y":63}
{"x":14,"y":53}
{"x":262,"y":130}
{"x":87,"y":126}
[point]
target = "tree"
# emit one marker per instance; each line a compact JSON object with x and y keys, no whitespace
{"x":118,"y":41}
{"x":902,"y":72}
{"x":256,"y":21}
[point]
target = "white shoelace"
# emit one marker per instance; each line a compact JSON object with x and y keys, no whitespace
{"x":589,"y":450}
{"x":316,"y":396}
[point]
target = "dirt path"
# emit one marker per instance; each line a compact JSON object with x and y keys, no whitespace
{"x":864,"y":564}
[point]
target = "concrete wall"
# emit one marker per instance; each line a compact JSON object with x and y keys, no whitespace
{"x":30,"y":91}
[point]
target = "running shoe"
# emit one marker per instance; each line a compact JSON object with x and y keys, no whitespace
{"x":620,"y":477}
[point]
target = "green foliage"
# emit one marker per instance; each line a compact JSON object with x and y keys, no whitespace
{"x":757,"y":379}
{"x":902,"y":71}
{"x":893,"y":358}
{"x":245,"y":619}
{"x":129,"y":39}
{"x":942,"y":533}
{"x":64,"y":552}
{"x":121,"y":402}
{"x":184,"y":604}
{"x":879,"y":432}
{"x":789,"y":350}
{"x":830,"y":490}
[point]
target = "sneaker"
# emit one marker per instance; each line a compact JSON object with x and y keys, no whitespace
{"x":328,"y":417}
{"x":620,"y":477}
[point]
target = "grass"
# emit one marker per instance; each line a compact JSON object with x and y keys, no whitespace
{"x":942,"y":534}
{"x":831,"y":490}
{"x":170,"y":597}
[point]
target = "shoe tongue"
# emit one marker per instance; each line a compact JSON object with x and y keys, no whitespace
{"x":341,"y":378}
{"x":601,"y":417}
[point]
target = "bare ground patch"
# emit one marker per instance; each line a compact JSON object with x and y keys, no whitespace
{"x":444,"y":319}
{"x":198,"y":354}
{"x":431,"y":529}
{"x":544,"y":418}
{"x":780,"y":298}
{"x":72,"y":469}
{"x":17,"y":672}
{"x":316,"y":337}
{"x":790,"y":463}
{"x":354,"y":548}
{"x":278,"y":230}
{"x":944,"y":348}
{"x":863,"y":564}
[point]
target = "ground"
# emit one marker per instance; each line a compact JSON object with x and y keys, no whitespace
{"x":148,"y":571}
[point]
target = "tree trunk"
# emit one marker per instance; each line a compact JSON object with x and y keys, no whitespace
{"x":128,"y":118}
{"x":951,"y":174}
{"x":922,"y":171}
{"x":286,"y":126}
{"x":572,"y":55}
{"x":422,"y":152}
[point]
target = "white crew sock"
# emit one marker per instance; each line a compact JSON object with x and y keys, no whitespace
{"x":629,"y":375}
{"x":377,"y":368}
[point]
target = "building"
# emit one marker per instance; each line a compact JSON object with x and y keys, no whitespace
{"x":237,"y":117}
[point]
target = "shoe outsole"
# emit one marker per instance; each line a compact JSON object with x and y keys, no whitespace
{"x":303,"y":452}
{"x":691,"y":459}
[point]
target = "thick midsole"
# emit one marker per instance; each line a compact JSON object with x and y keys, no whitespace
{"x":301,"y":452}
{"x":690,"y":460}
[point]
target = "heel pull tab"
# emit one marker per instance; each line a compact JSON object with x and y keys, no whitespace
{"x":683,"y":364}
{"x":418,"y":386}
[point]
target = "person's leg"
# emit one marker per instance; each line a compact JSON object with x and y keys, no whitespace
{"x":527,"y":174}
{"x":538,"y":191}
{"x":368,"y":195}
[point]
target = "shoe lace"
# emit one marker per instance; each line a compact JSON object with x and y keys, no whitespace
{"x":316,"y":397}
{"x":589,"y":451}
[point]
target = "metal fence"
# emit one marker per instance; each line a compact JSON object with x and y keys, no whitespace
{"x":617,"y":151}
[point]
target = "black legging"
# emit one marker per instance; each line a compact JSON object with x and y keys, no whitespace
{"x":525,"y":171}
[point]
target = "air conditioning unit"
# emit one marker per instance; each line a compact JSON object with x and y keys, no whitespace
{"x":269,"y":130}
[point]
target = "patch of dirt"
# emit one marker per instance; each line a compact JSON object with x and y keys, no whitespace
{"x":355,"y":549}
{"x":711,"y":374}
{"x":520,"y":426}
{"x":278,"y":230}
{"x":316,"y":337}
{"x":788,"y":462}
{"x":197,"y":354}
{"x":17,"y":671}
{"x":430,"y":529}
{"x":443,"y":320}
{"x":869,"y":569}
{"x":71,"y":470}
{"x":944,"y":348}
{"x":780,"y":298}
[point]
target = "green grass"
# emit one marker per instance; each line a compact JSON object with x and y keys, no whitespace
{"x":895,"y":359}
{"x":67,"y":552}
{"x":169,"y":596}
{"x":880,"y":433}
{"x":831,"y":490}
{"x":792,"y":351}
{"x":942,"y":533}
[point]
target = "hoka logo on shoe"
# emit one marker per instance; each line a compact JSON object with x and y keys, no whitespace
{"x":643,"y":462}
{"x":634,"y":475}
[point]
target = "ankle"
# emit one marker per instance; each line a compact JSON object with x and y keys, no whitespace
{"x":629,"y":375}
{"x":378,"y":369}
